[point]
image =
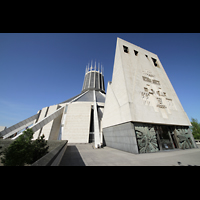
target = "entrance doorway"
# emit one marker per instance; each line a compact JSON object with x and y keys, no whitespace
{"x":166,"y":139}
{"x":154,"y":137}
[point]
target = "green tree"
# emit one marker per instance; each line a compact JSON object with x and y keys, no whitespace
{"x":195,"y":128}
{"x":24,"y":150}
{"x":39,"y":149}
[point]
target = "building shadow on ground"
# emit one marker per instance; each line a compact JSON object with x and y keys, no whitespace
{"x":72,"y":157}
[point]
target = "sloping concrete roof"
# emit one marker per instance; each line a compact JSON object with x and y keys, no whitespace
{"x":88,"y":97}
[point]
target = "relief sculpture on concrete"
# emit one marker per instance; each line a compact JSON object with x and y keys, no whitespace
{"x":153,"y":95}
{"x":184,"y":138}
{"x":146,"y":138}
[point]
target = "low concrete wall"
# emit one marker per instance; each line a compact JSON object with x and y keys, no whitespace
{"x":56,"y":151}
{"x":54,"y":156}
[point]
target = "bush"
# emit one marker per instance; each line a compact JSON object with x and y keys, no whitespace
{"x":24,"y":150}
{"x":40,"y":148}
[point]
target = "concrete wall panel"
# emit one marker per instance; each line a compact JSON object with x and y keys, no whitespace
{"x":42,"y":114}
{"x":47,"y":128}
{"x":142,"y":90}
{"x":121,"y":137}
{"x":77,"y":123}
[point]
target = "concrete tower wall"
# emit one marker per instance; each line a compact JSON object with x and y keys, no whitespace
{"x":94,"y":80}
{"x":142,"y":112}
{"x":140,"y":90}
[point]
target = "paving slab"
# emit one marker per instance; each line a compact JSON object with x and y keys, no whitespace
{"x":86,"y":155}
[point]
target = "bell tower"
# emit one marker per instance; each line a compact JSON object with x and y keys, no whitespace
{"x":94,"y":78}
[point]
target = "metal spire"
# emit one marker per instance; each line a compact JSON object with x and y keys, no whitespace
{"x":95,"y":66}
{"x":88,"y":66}
{"x":91,"y":66}
{"x":98,"y":67}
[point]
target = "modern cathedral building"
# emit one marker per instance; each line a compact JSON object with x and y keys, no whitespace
{"x":77,"y":119}
{"x":140,"y":112}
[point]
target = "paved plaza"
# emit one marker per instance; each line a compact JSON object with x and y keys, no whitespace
{"x":85,"y":155}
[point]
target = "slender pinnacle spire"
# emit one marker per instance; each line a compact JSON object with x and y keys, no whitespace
{"x":98,"y":66}
{"x":95,"y":66}
{"x":91,"y":65}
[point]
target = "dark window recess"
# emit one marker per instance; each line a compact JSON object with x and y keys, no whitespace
{"x":100,"y":81}
{"x":38,"y":116}
{"x":136,"y":52}
{"x":91,"y":137}
{"x":92,"y":121}
{"x":146,"y":55}
{"x":103,"y":87}
{"x":155,"y":62}
{"x":125,"y":49}
{"x":96,"y":80}
{"x":46,"y":112}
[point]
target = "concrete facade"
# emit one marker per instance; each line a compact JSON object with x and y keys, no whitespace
{"x":47,"y":128}
{"x":77,"y":120}
{"x":141,"y":91}
{"x":41,"y":116}
{"x":122,"y":137}
{"x":77,"y":123}
{"x":141,"y":94}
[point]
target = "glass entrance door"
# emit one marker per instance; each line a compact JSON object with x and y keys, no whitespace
{"x":165,"y":137}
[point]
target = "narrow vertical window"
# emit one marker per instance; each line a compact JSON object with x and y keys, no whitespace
{"x":92,"y":120}
{"x":155,"y":62}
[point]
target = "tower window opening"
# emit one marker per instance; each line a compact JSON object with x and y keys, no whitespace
{"x":136,"y":52}
{"x":125,"y":49}
{"x":155,"y":62}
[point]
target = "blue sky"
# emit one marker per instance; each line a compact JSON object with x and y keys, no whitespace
{"x":43,"y":69}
